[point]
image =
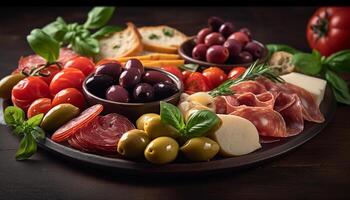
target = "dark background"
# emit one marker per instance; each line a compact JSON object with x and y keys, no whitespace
{"x":318,"y":169}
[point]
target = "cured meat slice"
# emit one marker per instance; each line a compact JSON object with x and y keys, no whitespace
{"x":102,"y":135}
{"x":233,"y":102}
{"x":248,"y":86}
{"x":293,"y":116}
{"x":32,"y":61}
{"x":267,"y":121}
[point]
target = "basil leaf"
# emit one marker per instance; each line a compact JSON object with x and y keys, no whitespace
{"x":98,"y":17}
{"x":14,"y":116}
{"x":44,"y":45}
{"x":200,"y":123}
{"x":339,"y":61}
{"x":307,"y":63}
{"x":170,"y":114}
{"x":56,"y":29}
{"x":35,"y":120}
{"x":27,"y":147}
{"x":37,"y":133}
{"x":339,"y":87}
{"x":316,"y":54}
{"x":106,"y":30}
{"x":19,"y":130}
{"x":281,"y":47}
{"x":86,"y":46}
{"x":189,"y":67}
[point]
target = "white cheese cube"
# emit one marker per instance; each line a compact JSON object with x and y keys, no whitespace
{"x":315,"y":86}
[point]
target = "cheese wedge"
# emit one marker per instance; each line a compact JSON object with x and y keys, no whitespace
{"x":315,"y":86}
{"x":236,"y":136}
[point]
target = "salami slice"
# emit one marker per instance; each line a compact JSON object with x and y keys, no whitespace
{"x":234,"y":102}
{"x":103,"y":134}
{"x":71,"y":127}
{"x":267,"y":121}
{"x":248,"y":86}
{"x":293,"y":116}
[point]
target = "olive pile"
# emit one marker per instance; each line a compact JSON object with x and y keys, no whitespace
{"x":130,"y":84}
{"x":221,"y":43}
{"x":160,"y":144}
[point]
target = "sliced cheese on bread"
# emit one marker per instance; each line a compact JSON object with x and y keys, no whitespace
{"x":162,"y":39}
{"x":120,"y":44}
{"x":315,"y":86}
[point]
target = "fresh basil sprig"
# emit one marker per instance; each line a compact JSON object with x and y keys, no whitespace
{"x":198,"y":124}
{"x":98,"y":17}
{"x":29,"y":130}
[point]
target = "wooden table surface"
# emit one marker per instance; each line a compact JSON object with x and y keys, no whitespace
{"x":318,"y":169}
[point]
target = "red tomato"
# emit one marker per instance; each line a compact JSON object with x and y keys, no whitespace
{"x":67,"y":78}
{"x":69,"y":95}
{"x":174,"y":70}
{"x":42,"y":105}
{"x":196,"y":82}
{"x":236,"y":72}
{"x":106,"y":60}
{"x":28,"y":90}
{"x":215,"y":75}
{"x":82,"y":63}
{"x":185,"y":75}
{"x":52,"y":70}
{"x":328,"y":30}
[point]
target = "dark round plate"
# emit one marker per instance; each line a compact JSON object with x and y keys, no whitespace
{"x":267,"y":152}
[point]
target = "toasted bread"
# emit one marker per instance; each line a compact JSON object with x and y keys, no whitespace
{"x":162,"y":39}
{"x":120,"y":44}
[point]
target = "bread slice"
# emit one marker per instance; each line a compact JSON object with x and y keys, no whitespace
{"x":120,"y":44}
{"x":162,"y":39}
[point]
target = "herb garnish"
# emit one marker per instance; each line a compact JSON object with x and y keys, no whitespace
{"x":116,"y":46}
{"x":168,"y":32}
{"x":199,"y":123}
{"x":29,"y":130}
{"x":153,"y":36}
{"x":254,"y":71}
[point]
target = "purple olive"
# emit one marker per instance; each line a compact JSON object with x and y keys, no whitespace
{"x":143,"y":92}
{"x":201,"y":35}
{"x":247,"y":32}
{"x":217,"y":54}
{"x":164,"y":89}
{"x":134,"y":63}
{"x":117,"y":93}
{"x":152,"y":77}
{"x":199,"y":51}
{"x":254,"y":48}
{"x":234,"y":47}
{"x":214,"y":23}
{"x":214,"y":39}
{"x":226,"y":29}
{"x":244,"y":57}
{"x":98,"y":84}
{"x":111,"y":69}
{"x":130,"y":77}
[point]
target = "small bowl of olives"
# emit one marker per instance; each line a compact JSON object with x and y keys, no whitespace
{"x":131,"y":90}
{"x":221,"y":44}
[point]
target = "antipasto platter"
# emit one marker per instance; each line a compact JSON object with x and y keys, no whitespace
{"x":142,"y":100}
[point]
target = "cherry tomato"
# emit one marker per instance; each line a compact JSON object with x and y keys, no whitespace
{"x":82,"y":63}
{"x":106,"y":60}
{"x":236,"y":72}
{"x":69,"y":95}
{"x":215,"y":75}
{"x":52,"y":71}
{"x":67,"y":78}
{"x":42,"y":105}
{"x":328,"y":30}
{"x":28,"y":90}
{"x":186,"y":74}
{"x":174,"y":70}
{"x":196,"y":82}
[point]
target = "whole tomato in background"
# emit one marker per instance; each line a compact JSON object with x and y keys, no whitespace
{"x":84,"y":64}
{"x":328,"y":30}
{"x":69,"y":95}
{"x":51,"y":71}
{"x":215,"y":75}
{"x":67,"y":78}
{"x":196,"y":82}
{"x":42,"y":105}
{"x":236,"y":72}
{"x":28,"y":90}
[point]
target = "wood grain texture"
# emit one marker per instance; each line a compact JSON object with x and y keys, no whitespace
{"x":319,"y":169}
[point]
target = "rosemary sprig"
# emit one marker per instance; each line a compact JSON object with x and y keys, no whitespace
{"x":254,"y":71}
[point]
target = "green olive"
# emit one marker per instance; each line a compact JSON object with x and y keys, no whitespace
{"x":7,"y":83}
{"x":141,"y":120}
{"x":162,"y":150}
{"x":133,"y":143}
{"x":59,"y":115}
{"x":200,"y":149}
{"x":155,"y":128}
